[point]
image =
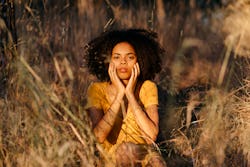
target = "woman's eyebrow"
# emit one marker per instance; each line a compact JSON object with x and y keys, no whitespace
{"x":115,"y":53}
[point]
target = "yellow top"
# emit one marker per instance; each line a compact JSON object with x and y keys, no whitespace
{"x":126,"y":130}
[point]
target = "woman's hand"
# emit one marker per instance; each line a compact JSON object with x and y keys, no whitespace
{"x":132,"y":81}
{"x":115,"y":80}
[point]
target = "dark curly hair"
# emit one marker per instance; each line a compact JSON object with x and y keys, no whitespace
{"x":148,"y":52}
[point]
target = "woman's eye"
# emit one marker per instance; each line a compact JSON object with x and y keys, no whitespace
{"x":115,"y":57}
{"x":131,"y":57}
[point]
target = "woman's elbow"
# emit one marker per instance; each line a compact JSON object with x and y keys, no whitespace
{"x":151,"y":140}
{"x":100,"y":138}
{"x":154,"y":135}
{"x":156,"y":132}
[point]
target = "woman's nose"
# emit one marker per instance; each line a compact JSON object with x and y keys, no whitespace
{"x":123,"y":61}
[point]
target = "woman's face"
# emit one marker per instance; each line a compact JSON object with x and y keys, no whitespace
{"x":124,"y":59}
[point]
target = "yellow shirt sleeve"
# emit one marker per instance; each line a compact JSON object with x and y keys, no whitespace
{"x":94,"y":96}
{"x":149,"y":93}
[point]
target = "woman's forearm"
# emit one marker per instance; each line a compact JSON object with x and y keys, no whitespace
{"x":150,"y":129}
{"x":105,"y":125}
{"x":146,"y":124}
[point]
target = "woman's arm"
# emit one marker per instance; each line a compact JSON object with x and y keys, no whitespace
{"x":103,"y":123}
{"x":147,"y":120}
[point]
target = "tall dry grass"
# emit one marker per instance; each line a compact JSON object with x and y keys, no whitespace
{"x":204,"y":111}
{"x":219,"y":135}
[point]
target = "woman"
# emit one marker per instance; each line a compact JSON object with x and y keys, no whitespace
{"x":123,"y":106}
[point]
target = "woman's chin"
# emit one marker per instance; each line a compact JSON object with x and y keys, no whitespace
{"x":124,"y":76}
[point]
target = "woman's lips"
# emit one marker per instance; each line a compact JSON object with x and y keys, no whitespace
{"x":123,"y":70}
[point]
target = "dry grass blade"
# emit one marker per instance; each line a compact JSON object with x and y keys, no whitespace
{"x":236,"y":27}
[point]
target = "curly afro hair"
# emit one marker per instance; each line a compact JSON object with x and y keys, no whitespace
{"x":147,"y":49}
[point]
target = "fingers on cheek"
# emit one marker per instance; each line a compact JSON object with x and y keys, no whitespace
{"x":111,"y":66}
{"x":114,"y":67}
{"x":138,"y":68}
{"x":110,"y":70}
{"x":133,"y":71}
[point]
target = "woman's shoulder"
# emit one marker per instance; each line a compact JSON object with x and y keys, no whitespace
{"x":148,"y":93}
{"x":148,"y":84}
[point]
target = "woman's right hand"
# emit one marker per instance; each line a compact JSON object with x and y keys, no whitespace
{"x":120,"y":88}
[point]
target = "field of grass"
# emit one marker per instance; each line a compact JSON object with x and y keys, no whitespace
{"x":204,"y":87}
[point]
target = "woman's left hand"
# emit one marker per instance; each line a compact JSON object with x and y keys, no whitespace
{"x":133,"y":79}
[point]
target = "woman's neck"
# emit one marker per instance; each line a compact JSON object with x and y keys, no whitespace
{"x":125,"y":82}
